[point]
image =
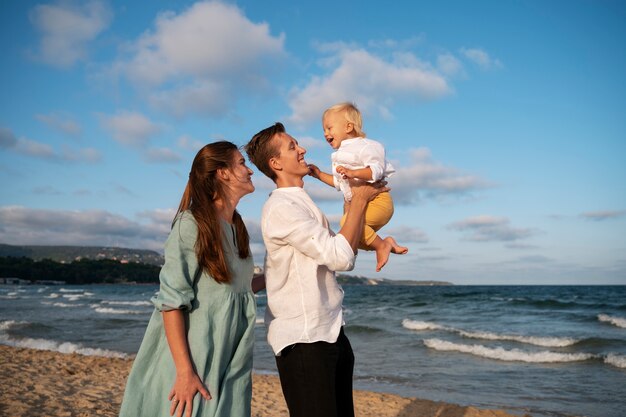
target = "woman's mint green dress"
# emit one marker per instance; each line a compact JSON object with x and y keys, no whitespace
{"x":220,"y":332}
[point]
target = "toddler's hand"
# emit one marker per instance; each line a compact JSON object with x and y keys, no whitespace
{"x":345,"y":172}
{"x":314,"y":171}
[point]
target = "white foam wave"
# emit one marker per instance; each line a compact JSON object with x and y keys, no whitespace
{"x":73,"y":297}
{"x":63,"y":347}
{"x":128,"y":303}
{"x":7,"y":324}
{"x":616,"y":360}
{"x":531,"y":340}
{"x":64,"y":305}
{"x":615,"y":321}
{"x":66,"y":290}
{"x":8,"y":297}
{"x":513,"y":355}
{"x":420,"y":325}
{"x":53,"y":295}
{"x":106,"y":310}
{"x":259,"y":320}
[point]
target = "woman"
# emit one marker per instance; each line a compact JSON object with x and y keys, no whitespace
{"x":200,"y":336}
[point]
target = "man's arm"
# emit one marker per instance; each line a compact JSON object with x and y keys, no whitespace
{"x":362,"y":193}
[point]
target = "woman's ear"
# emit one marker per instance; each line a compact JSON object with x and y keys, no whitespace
{"x":223,"y":173}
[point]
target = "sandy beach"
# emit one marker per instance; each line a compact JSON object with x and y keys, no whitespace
{"x":45,"y":383}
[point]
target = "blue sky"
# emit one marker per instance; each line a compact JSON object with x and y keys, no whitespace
{"x":505,"y":121}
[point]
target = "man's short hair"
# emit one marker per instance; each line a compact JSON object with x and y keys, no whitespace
{"x":260,"y":149}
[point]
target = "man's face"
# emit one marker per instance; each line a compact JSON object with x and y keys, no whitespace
{"x":290,"y":160}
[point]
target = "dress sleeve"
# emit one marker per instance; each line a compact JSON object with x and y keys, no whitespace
{"x":290,"y":224}
{"x":373,"y":156}
{"x":180,"y":268}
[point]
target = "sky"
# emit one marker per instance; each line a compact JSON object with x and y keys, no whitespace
{"x":505,"y":121}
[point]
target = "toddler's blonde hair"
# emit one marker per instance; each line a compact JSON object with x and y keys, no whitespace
{"x":352,"y":115}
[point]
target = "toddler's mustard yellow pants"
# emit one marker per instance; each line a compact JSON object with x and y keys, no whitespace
{"x":377,"y":214}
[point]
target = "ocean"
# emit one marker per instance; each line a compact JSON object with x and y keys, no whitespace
{"x":541,"y":350}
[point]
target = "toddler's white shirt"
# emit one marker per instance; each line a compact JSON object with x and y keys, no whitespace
{"x":357,"y":153}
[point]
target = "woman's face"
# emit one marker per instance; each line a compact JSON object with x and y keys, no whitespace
{"x":240,"y":182}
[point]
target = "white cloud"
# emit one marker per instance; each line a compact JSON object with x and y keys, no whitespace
{"x":130,"y":128}
{"x":35,"y":149}
{"x":373,"y":83}
{"x":425,"y":177}
{"x":189,"y":144}
{"x":60,"y":123}
{"x":7,"y":138}
{"x":46,"y":190}
{"x":490,"y":228}
{"x":603,"y":215}
{"x":164,"y":155}
{"x":481,"y":58}
{"x":449,"y":65}
{"x":308,"y":142}
{"x":67,"y":28}
{"x":45,"y":151}
{"x":404,"y":234}
{"x":197,"y":61}
{"x":323,"y":193}
{"x":26,"y":226}
{"x":203,"y":97}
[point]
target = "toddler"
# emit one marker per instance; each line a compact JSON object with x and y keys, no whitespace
{"x":363,"y":159}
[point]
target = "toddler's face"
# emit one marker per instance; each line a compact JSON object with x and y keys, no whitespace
{"x":336,"y":128}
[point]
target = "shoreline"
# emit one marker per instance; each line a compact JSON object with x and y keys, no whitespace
{"x":41,"y":382}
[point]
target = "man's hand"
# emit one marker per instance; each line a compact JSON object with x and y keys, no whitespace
{"x":367,"y":191}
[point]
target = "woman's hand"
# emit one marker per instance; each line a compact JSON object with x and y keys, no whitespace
{"x":185,"y":388}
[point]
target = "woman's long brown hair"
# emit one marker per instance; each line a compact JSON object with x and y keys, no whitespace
{"x":203,"y":188}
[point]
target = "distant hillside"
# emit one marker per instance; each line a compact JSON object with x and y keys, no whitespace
{"x":358,"y":280}
{"x":67,"y":254}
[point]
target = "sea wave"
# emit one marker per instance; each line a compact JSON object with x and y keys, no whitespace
{"x":107,"y":310}
{"x":616,"y":360}
{"x":8,"y":324}
{"x":64,"y":305}
{"x":73,"y":297}
{"x":46,"y":344}
{"x":531,"y":340}
{"x":127,"y":303}
{"x":420,"y":325}
{"x":67,"y":290}
{"x":63,"y":347}
{"x":513,"y":355}
{"x":615,"y":321}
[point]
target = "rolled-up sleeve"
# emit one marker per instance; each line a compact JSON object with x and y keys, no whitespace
{"x":290,"y":224}
{"x":180,"y":267}
{"x":373,"y":156}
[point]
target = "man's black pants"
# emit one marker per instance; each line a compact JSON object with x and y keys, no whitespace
{"x":317,"y":378}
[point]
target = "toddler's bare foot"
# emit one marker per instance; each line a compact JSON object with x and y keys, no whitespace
{"x":395,"y":248}
{"x":382,"y":254}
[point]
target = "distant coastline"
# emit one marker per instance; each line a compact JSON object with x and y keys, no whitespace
{"x":77,"y":265}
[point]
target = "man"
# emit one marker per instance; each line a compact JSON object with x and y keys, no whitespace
{"x":304,"y":314}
